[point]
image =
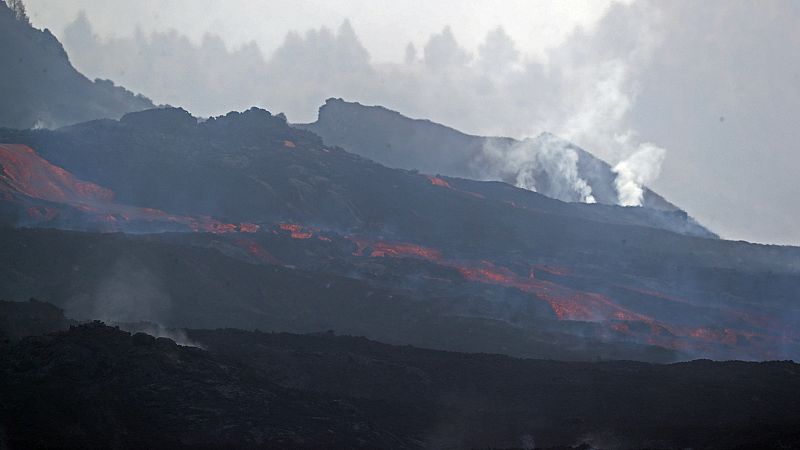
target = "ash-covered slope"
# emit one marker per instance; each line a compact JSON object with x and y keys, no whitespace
{"x":392,"y":139}
{"x":40,"y":88}
{"x":273,"y":195}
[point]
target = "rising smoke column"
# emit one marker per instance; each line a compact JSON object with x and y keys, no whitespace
{"x":642,"y":167}
{"x":547,"y":165}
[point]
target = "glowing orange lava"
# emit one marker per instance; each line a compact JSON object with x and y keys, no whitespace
{"x":436,"y":181}
{"x":396,"y":249}
{"x":26,"y":176}
{"x":567,"y":304}
{"x":297,"y":231}
{"x":248,"y":227}
{"x":27,"y":173}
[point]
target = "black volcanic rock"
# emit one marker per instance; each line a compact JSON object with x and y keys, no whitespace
{"x":491,"y":401}
{"x":96,"y":387}
{"x":31,"y":318}
{"x":254,"y":120}
{"x":165,"y":120}
{"x":39,"y":86}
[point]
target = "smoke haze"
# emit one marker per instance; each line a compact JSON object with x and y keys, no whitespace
{"x":705,"y":91}
{"x":544,"y":157}
{"x":638,"y":170}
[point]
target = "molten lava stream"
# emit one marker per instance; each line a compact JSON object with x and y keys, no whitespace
{"x":436,"y":181}
{"x":395,"y":249}
{"x":570,"y":304}
{"x":27,"y":175}
{"x":296,"y":231}
{"x":566,"y":303}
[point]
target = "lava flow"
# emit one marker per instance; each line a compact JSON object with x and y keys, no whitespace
{"x":27,"y":178}
{"x":436,"y":181}
{"x":567,"y":304}
{"x":296,"y":231}
{"x":27,"y":173}
{"x":396,"y":249}
{"x":572,"y":304}
{"x":441,"y":182}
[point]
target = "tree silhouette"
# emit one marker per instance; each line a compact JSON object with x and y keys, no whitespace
{"x":18,"y":7}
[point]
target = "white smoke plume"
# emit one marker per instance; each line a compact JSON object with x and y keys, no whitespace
{"x":633,"y":173}
{"x":132,"y":297}
{"x":157,"y":330}
{"x":600,"y":89}
{"x":547,"y":165}
{"x":584,"y":95}
{"x":131,"y":293}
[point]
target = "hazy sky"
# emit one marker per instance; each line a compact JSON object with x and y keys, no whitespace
{"x":385,"y":26}
{"x":711,"y":89}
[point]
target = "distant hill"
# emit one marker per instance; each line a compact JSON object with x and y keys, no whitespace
{"x":395,"y":140}
{"x":40,"y":88}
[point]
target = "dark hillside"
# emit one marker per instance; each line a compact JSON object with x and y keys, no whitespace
{"x":40,"y":88}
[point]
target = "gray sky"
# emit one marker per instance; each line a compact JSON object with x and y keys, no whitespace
{"x":713,"y":83}
{"x":385,"y":26}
